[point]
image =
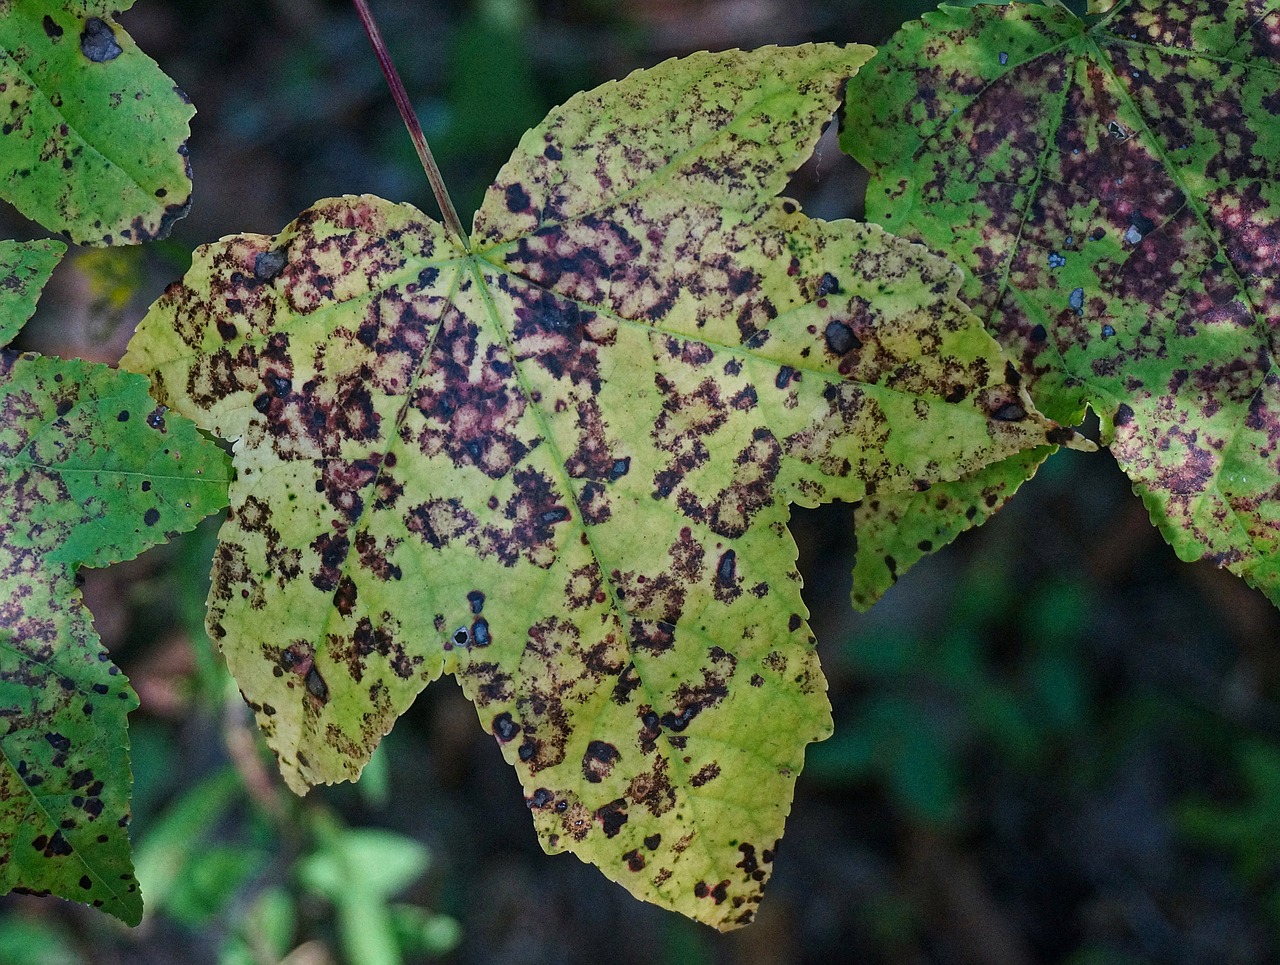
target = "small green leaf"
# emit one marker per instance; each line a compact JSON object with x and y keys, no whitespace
{"x":1110,"y":183}
{"x":558,"y":463}
{"x":92,"y":133}
{"x":25,"y":267}
{"x":895,"y":531}
{"x":91,"y":471}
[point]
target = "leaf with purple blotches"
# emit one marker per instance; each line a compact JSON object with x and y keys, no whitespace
{"x":557,"y":461}
{"x":1110,"y":185}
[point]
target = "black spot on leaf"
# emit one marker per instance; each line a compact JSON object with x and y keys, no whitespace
{"x":540,"y":798}
{"x":268,"y":264}
{"x":598,"y":761}
{"x":504,"y":728}
{"x":840,"y":338}
{"x":612,"y":817}
{"x":727,"y":569}
{"x":316,"y":685}
{"x":98,"y":41}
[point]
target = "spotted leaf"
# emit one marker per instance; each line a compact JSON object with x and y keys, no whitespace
{"x":895,"y":530}
{"x":557,"y":462}
{"x":1110,"y":183}
{"x":24,"y":269}
{"x":92,"y":133}
{"x":91,"y":471}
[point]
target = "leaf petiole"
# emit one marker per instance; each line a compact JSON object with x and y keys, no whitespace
{"x":398,"y":93}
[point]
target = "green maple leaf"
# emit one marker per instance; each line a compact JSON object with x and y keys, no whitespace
{"x":1110,"y":183}
{"x":91,"y":472}
{"x":92,"y":133}
{"x":557,"y":462}
{"x":24,"y":270}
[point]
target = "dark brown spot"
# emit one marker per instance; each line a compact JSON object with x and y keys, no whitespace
{"x":598,"y":761}
{"x":612,"y":817}
{"x":344,"y":597}
{"x":316,"y":685}
{"x":707,"y":774}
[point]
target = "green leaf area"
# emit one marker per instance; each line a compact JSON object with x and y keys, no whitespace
{"x":1110,"y":183}
{"x":92,"y":133}
{"x":91,"y":471}
{"x":557,"y":463}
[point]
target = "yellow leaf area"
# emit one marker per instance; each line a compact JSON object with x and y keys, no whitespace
{"x":559,"y":464}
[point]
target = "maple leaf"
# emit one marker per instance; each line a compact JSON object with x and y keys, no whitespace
{"x":1110,"y":184}
{"x":895,"y":530}
{"x":557,"y":462}
{"x":91,"y":472}
{"x":82,"y":100}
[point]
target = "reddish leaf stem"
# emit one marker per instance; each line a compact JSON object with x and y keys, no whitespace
{"x":451,"y":220}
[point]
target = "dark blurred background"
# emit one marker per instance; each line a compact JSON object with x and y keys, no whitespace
{"x":1054,"y":742}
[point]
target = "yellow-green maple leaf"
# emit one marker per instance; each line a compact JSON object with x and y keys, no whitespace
{"x":558,"y":463}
